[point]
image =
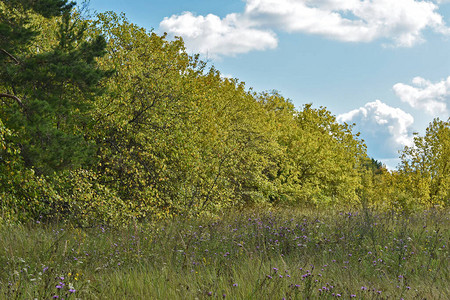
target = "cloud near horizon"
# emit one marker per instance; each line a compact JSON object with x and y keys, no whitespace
{"x":432,"y":98}
{"x":401,"y":22}
{"x":385,"y":129}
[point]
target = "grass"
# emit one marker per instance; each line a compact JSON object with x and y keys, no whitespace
{"x":289,"y":254}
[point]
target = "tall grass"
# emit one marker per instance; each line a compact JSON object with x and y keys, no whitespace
{"x":289,"y":254}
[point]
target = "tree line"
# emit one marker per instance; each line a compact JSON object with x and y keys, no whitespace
{"x":104,"y":121}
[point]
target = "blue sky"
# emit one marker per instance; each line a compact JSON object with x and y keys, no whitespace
{"x":383,"y":64}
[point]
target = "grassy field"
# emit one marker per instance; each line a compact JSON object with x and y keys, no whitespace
{"x":283,"y":254}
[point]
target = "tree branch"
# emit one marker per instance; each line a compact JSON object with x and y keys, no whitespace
{"x":11,"y":56}
{"x":12,"y":97}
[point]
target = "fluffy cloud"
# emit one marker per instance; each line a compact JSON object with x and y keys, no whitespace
{"x":214,"y":36}
{"x":429,"y":97}
{"x":400,"y":21}
{"x":385,"y":129}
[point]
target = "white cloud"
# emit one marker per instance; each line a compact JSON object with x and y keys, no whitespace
{"x":384,"y":128}
{"x":215,"y":36}
{"x":429,"y":97}
{"x":401,"y":21}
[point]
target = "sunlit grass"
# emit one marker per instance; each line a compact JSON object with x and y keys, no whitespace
{"x":291,"y":254}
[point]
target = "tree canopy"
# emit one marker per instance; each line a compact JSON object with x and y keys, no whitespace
{"x":104,"y":121}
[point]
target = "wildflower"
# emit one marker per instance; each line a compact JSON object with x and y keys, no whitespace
{"x":72,"y":290}
{"x":59,"y":286}
{"x":55,"y":297}
{"x":352,"y":296}
{"x":363,"y":288}
{"x":235,"y":284}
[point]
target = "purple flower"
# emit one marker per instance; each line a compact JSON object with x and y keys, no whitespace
{"x":59,"y":286}
{"x":45,"y":269}
{"x":56,"y":296}
{"x":72,"y":290}
{"x":235,"y":284}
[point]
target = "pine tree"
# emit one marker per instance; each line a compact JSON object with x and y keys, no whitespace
{"x":46,"y":94}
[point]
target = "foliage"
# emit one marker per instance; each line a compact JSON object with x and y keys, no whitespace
{"x":103,"y":121}
{"x":322,"y":158}
{"x":425,"y":167}
{"x":51,"y":88}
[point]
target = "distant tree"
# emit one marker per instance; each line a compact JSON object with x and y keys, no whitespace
{"x":425,"y":167}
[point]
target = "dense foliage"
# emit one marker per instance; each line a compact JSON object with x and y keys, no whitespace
{"x":103,"y":121}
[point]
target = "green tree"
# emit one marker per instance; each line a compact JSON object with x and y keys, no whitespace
{"x":46,"y":92}
{"x":425,"y":167}
{"x":174,"y":137}
{"x":322,"y":159}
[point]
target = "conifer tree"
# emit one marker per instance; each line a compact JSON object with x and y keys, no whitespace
{"x":45,"y":94}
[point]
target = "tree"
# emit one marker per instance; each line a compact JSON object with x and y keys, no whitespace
{"x":46,"y":91}
{"x":425,"y":167}
{"x":319,"y":158}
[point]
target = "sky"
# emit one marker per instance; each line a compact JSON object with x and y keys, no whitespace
{"x":382,"y":64}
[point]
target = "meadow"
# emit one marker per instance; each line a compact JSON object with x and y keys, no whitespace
{"x":253,"y":254}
